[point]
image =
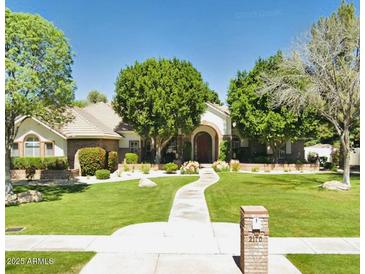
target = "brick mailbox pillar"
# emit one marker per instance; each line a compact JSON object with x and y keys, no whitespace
{"x":254,"y":239}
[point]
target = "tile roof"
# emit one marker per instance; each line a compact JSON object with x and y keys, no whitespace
{"x":94,"y":120}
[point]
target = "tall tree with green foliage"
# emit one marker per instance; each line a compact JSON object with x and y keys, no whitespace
{"x":254,"y":116}
{"x":161,"y":98}
{"x":324,"y":73}
{"x":38,"y":81}
{"x":95,"y":96}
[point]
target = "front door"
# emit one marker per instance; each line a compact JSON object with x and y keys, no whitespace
{"x":203,"y":146}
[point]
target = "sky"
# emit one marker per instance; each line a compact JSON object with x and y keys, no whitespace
{"x":218,"y":37}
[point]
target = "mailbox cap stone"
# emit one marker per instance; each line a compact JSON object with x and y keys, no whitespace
{"x":254,"y":211}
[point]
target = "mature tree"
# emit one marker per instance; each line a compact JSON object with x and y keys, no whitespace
{"x":95,"y":96}
{"x":161,"y":98}
{"x":253,"y":114}
{"x":38,"y":79}
{"x":324,"y":73}
{"x":80,"y":103}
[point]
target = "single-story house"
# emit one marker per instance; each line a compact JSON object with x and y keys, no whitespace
{"x":322,"y":150}
{"x":98,"y":125}
{"x":326,"y":150}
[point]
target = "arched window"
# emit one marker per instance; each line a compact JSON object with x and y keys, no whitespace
{"x":32,"y":146}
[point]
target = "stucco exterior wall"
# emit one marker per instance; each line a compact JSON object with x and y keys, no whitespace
{"x":220,"y":120}
{"x":129,"y":136}
{"x":30,"y":126}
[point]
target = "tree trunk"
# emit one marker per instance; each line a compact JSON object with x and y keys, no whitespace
{"x":158,"y":153}
{"x":345,"y":141}
{"x":8,"y":184}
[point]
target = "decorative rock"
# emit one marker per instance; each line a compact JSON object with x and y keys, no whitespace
{"x":335,"y":185}
{"x":144,"y":182}
{"x":11,"y":199}
{"x":23,"y":197}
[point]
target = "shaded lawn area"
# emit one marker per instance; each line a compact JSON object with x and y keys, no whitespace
{"x":95,"y":209}
{"x":324,"y":264}
{"x":296,"y":204}
{"x":63,"y":262}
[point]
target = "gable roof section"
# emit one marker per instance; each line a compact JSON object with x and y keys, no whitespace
{"x":222,"y":109}
{"x":94,"y":121}
{"x":22,"y":118}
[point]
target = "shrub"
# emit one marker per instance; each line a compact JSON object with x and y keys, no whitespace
{"x":112,"y":161}
{"x":312,"y":157}
{"x":235,"y":165}
{"x":171,"y":168}
{"x":187,"y":151}
{"x":190,"y":167}
{"x":323,"y":160}
{"x":29,"y":172}
{"x":52,"y":163}
{"x":255,"y":169}
{"x":91,"y":159}
{"x":131,"y":158}
{"x":102,"y":174}
{"x":126,"y":167}
{"x":145,"y":168}
{"x":223,"y":150}
{"x":219,"y":166}
{"x":329,"y":165}
{"x":55,"y":163}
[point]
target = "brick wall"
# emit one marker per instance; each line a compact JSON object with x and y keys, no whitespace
{"x":73,"y":145}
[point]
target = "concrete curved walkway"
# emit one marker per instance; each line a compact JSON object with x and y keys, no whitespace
{"x":187,"y":243}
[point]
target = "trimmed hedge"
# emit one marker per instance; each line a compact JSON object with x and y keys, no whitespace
{"x":112,"y":161}
{"x":170,"y":168}
{"x":131,"y":158}
{"x":42,"y":163}
{"x":102,"y":174}
{"x":91,"y":159}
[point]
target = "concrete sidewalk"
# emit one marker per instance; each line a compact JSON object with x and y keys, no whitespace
{"x":151,"y":238}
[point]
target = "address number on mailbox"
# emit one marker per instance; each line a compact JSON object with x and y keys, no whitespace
{"x":257,"y":224}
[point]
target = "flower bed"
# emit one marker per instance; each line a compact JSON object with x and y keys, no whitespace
{"x":219,"y":166}
{"x":190,"y":167}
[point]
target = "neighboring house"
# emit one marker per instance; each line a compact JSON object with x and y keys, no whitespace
{"x":323,"y":150}
{"x":326,"y":150}
{"x":98,"y":125}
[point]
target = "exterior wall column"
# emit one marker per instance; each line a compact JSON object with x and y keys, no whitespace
{"x":21,"y":149}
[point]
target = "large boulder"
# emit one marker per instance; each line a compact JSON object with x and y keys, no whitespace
{"x":335,"y":185}
{"x":11,"y":199}
{"x":144,"y":182}
{"x":23,"y":197}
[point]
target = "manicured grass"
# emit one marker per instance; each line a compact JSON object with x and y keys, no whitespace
{"x":56,"y":262}
{"x":324,"y":264}
{"x":297,"y":205}
{"x":95,"y":209}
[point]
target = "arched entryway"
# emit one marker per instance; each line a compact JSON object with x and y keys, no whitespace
{"x":203,"y":147}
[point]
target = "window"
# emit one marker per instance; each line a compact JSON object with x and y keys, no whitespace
{"x":134,"y":146}
{"x":15,"y":150}
{"x":32,"y":147}
{"x":48,"y":149}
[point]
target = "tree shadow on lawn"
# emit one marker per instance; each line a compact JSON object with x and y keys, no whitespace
{"x":53,"y":192}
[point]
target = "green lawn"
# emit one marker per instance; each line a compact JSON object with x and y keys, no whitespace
{"x":58,"y":262}
{"x":296,"y":204}
{"x":95,"y":209}
{"x":324,"y":264}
